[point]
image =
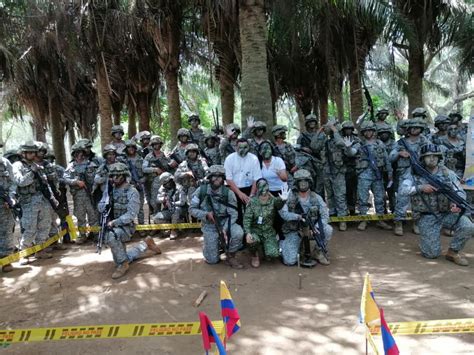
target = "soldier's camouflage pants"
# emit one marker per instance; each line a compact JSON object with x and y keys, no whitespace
{"x":116,"y":241}
{"x":211,"y":240}
{"x":7,"y":226}
{"x":367,"y":182}
{"x":335,"y":186}
{"x":36,"y":221}
{"x":269,"y":243}
{"x":84,"y":210}
{"x":165,"y":216}
{"x":402,"y":201}
{"x":430,"y":232}
{"x":290,"y":247}
{"x":141,"y":212}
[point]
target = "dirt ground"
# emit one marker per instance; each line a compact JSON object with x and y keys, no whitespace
{"x":75,"y":288}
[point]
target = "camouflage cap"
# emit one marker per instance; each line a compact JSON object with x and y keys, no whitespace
{"x":119,"y":169}
{"x":382,"y":111}
{"x":109,"y":148}
{"x":194,"y":116}
{"x":310,"y":118}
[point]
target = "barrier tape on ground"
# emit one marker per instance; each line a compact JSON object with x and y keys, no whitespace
{"x":9,"y":336}
{"x":147,"y":227}
{"x":445,"y":326}
{"x":370,"y":217}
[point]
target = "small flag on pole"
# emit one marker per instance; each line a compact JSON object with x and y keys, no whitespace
{"x":230,"y":315}
{"x":209,"y":335}
{"x":369,"y":311}
{"x":389,"y":345}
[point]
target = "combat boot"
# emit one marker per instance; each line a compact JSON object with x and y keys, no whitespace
{"x":43,"y":254}
{"x":448,"y":232}
{"x":416,"y":229}
{"x":398,"y":228}
{"x":173,"y":234}
{"x":255,"y":260}
{"x":24,"y":261}
{"x":384,"y":225}
{"x":321,"y":258}
{"x":342,"y":226}
{"x":7,"y":268}
{"x":456,"y":258}
{"x":59,"y":246}
{"x":121,"y":270}
{"x":150,"y":243}
{"x":362,"y":226}
{"x":233,"y":262}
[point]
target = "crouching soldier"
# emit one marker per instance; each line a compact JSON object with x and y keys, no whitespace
{"x":125,"y":206}
{"x":216,"y":206}
{"x":435,"y":210}
{"x":304,"y":204}
{"x":259,"y":219}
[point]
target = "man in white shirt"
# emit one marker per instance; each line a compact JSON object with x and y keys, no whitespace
{"x":242,"y":170}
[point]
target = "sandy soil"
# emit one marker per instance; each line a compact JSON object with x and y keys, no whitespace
{"x":75,"y":288}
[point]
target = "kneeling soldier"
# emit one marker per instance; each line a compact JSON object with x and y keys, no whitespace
{"x":216,"y":206}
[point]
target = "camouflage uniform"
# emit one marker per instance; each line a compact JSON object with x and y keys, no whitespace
{"x":7,"y":226}
{"x":228,"y":144}
{"x":440,"y":121}
{"x":253,"y":140}
{"x":225,"y":206}
{"x":196,"y":133}
{"x":167,"y":198}
{"x":455,"y":155}
{"x":308,"y":162}
{"x":350,"y":163}
{"x":178,"y":154}
{"x":120,"y":144}
{"x":285,"y":151}
{"x":212,"y":153}
{"x":434,"y":211}
{"x":135,"y":165}
{"x":36,"y":218}
{"x":382,"y":131}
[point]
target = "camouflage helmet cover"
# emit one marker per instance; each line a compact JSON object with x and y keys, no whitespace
{"x":278,"y":129}
{"x":302,"y":174}
{"x":430,"y":149}
{"x":191,"y":147}
{"x":183,"y":132}
{"x":165,"y":178}
{"x":117,"y":129}
{"x":29,"y":146}
{"x":367,"y":126}
{"x":419,"y":112}
{"x":119,"y":169}
{"x":216,"y":170}
{"x":156,"y":140}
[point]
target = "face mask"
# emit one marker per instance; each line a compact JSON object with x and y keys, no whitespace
{"x":382,"y":117}
{"x":243,"y":149}
{"x":262,"y":188}
{"x":347,"y":132}
{"x":156,"y":147}
{"x":216,"y":181}
{"x":145,"y":142}
{"x":110,"y":158}
{"x":266,"y":152}
{"x":431,"y":161}
{"x":118,"y":135}
{"x":443,"y":127}
{"x":452,"y":132}
{"x":303,"y":185}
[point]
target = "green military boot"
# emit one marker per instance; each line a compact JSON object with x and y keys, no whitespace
{"x":362,"y":226}
{"x":398,"y":228}
{"x":342,"y":226}
{"x":121,"y":270}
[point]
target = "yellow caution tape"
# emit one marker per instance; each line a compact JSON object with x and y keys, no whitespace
{"x":371,"y":217}
{"x":8,"y":336}
{"x":31,"y":250}
{"x":445,"y":326}
{"x":147,"y":227}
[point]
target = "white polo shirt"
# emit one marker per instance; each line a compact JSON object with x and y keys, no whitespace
{"x":242,"y":171}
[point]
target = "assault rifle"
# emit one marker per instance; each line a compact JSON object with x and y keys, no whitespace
{"x":222,"y":241}
{"x":440,"y":186}
{"x":135,"y":178}
{"x":44,"y":186}
{"x":106,"y":214}
{"x":12,"y":205}
{"x":372,"y":162}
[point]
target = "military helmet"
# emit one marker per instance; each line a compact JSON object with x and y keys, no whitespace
{"x":279,"y":129}
{"x":259,"y":125}
{"x":347,"y":124}
{"x":109,"y":148}
{"x":384,"y":128}
{"x":216,"y":170}
{"x":382,"y":111}
{"x":233,"y":127}
{"x":85,"y":142}
{"x":11,"y":153}
{"x":194,"y":117}
{"x":117,"y":129}
{"x":119,"y":169}
{"x":367,"y":126}
{"x":455,"y":117}
{"x":416,"y":123}
{"x":42,"y":146}
{"x":430,"y":149}
{"x":77,"y":147}
{"x":156,"y":140}
{"x":183,"y":132}
{"x":441,"y":119}
{"x":302,"y":174}
{"x":165,"y":178}
{"x":131,"y":143}
{"x":419,"y":112}
{"x":209,"y":136}
{"x":143,"y":135}
{"x":310,"y":118}
{"x":29,"y":146}
{"x":191,"y":147}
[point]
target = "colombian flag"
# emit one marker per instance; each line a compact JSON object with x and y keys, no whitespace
{"x":389,"y":345}
{"x":229,"y":312}
{"x":369,"y":311}
{"x":209,"y":335}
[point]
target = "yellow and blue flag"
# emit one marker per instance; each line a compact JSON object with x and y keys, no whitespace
{"x":229,"y":313}
{"x":369,"y":311}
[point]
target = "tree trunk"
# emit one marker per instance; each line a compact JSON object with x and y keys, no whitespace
{"x":57,"y":130}
{"x":227,"y":99}
{"x":116,"y":112}
{"x":357,"y":100}
{"x":174,"y":108}
{"x":416,"y":71}
{"x":38,"y":129}
{"x":132,"y":121}
{"x":143,"y":108}
{"x":339,"y":101}
{"x":255,"y":86}
{"x":301,"y":117}
{"x":105,"y":106}
{"x":323,"y":109}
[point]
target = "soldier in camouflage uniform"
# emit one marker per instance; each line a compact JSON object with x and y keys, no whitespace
{"x":350,"y":163}
{"x":79,"y":176}
{"x":421,"y":114}
{"x":154,"y":164}
{"x":435,"y":210}
{"x":381,"y":116}
{"x":333,"y":148}
{"x":196,"y":133}
{"x":456,"y":118}
{"x":214,"y":196}
{"x":211,"y":149}
{"x":259,"y":218}
{"x":441,"y":122}
{"x":135,"y":165}
{"x":193,"y":164}
{"x":126,"y":204}
{"x":36,"y":218}
{"x":117,"y":141}
{"x":285,"y":151}
{"x":302,"y":202}
{"x":228,"y":145}
{"x":7,"y":226}
{"x":385,"y":134}
{"x":372,"y":161}
{"x":399,"y":155}
{"x":144,"y":138}
{"x":308,"y":162}
{"x":255,"y":134}
{"x":90,"y":155}
{"x":102,"y":173}
{"x":455,"y":150}
{"x":178,"y":154}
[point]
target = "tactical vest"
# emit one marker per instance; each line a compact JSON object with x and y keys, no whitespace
{"x":286,"y":152}
{"x":84,"y":171}
{"x":120,"y":196}
{"x":26,"y":192}
{"x":220,"y":203}
{"x":378,"y":153}
{"x":292,"y":203}
{"x":196,"y":168}
{"x":214,"y":155}
{"x":332,"y":155}
{"x":431,"y":203}
{"x":404,"y":163}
